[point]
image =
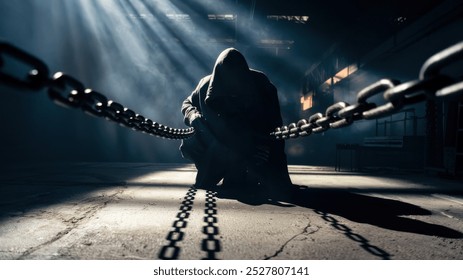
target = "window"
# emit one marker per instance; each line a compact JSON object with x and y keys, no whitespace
{"x":306,"y":101}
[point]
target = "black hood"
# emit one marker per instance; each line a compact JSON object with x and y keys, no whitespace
{"x":231,"y":86}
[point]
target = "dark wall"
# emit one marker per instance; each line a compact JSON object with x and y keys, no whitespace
{"x":398,"y":58}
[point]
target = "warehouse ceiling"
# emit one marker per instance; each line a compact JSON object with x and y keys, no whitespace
{"x":297,"y":26}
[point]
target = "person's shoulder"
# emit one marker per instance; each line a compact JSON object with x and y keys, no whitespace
{"x":203,"y":83}
{"x":205,"y":80}
{"x":259,"y":75}
{"x":262,"y":79}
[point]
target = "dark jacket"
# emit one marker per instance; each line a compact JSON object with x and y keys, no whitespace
{"x":240,"y":107}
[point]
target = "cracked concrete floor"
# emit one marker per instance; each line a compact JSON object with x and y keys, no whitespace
{"x":150,"y":211}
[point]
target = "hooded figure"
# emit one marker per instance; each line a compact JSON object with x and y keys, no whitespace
{"x":233,"y":111}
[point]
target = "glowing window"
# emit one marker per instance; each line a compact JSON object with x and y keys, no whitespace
{"x":307,"y":101}
{"x":342,"y":74}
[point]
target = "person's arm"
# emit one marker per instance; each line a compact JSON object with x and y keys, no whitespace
{"x":193,"y":117}
{"x":190,"y":107}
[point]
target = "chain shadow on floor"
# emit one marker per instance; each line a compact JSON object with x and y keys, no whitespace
{"x":210,"y":244}
{"x":361,"y":208}
{"x":171,"y":251}
{"x":349,"y":233}
{"x":381,"y":212}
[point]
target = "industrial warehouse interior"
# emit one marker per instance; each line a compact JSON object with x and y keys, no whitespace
{"x":371,"y":101}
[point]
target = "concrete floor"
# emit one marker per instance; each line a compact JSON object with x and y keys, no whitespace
{"x":151,"y":211}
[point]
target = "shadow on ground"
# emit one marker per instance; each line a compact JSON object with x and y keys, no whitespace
{"x":385,"y":213}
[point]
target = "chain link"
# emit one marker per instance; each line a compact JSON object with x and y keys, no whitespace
{"x":430,"y":85}
{"x":35,"y":77}
{"x":68,"y":92}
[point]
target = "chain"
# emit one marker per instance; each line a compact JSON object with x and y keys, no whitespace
{"x":431,"y":84}
{"x":67,"y":91}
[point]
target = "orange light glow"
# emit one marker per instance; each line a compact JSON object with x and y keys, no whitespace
{"x":306,"y":102}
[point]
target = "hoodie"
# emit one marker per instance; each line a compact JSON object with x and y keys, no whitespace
{"x":240,"y":108}
{"x":241,"y":97}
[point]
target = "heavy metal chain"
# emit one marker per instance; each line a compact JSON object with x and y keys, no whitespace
{"x":67,"y":91}
{"x":431,"y":84}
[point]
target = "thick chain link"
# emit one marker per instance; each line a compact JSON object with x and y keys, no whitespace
{"x":36,"y":76}
{"x":67,"y":91}
{"x":431,"y":84}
